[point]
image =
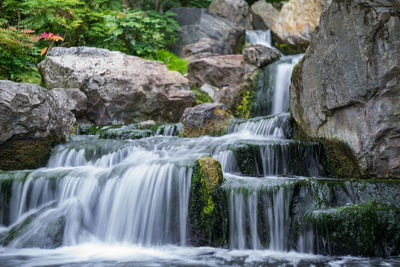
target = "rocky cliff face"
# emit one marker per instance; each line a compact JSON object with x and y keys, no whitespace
{"x":119,"y":88}
{"x":347,"y":87}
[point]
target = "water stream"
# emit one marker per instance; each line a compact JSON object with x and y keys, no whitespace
{"x":114,"y":199}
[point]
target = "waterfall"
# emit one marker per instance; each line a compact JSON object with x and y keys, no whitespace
{"x":120,"y":195}
{"x":272,"y":93}
{"x":259,"y":37}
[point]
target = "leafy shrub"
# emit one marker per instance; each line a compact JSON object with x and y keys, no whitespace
{"x":18,"y":54}
{"x":143,"y":33}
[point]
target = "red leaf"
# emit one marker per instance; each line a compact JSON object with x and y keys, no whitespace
{"x":43,"y":51}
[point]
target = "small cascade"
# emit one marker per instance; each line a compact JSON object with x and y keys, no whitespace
{"x":273,"y":126}
{"x":170,"y":129}
{"x":272,"y":95}
{"x":259,"y":37}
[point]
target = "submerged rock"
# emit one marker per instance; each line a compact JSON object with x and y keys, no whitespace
{"x":260,"y":55}
{"x":207,"y":204}
{"x":350,"y":93}
{"x":206,"y":119}
{"x":120,"y":89}
{"x":236,"y":11}
{"x":32,"y":120}
{"x":199,"y":24}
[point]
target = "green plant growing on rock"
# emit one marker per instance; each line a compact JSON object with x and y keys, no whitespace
{"x":172,"y":61}
{"x":243,"y":109}
{"x":201,"y":97}
{"x":207,"y":204}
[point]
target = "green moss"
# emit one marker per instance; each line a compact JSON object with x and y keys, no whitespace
{"x":172,"y":61}
{"x":242,"y":44}
{"x":207,"y":204}
{"x":288,"y":49}
{"x":26,"y":154}
{"x":201,"y":97}
{"x":367,"y":229}
{"x":339,"y":159}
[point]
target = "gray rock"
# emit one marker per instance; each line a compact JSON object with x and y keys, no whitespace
{"x":260,"y":55}
{"x":198,"y":24}
{"x":206,"y":119}
{"x":203,"y":48}
{"x":229,"y":71}
{"x":219,"y":71}
{"x":32,"y":119}
{"x":120,"y":89}
{"x":228,"y":96}
{"x":347,"y":87}
{"x":236,"y":11}
{"x":264,"y":15}
{"x":209,"y":89}
{"x":74,"y":98}
{"x":147,"y":124}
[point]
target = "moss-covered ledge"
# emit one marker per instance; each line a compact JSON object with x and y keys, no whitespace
{"x":208,"y":204}
{"x":27,"y":153}
{"x":339,"y":159}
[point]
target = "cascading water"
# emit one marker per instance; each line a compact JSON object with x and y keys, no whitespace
{"x":120,"y":196}
{"x":259,"y":37}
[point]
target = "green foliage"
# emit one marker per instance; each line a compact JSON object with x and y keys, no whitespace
{"x":98,"y":23}
{"x":201,"y":97}
{"x":144,"y":33}
{"x":167,"y":4}
{"x":243,"y":109}
{"x":172,"y":61}
{"x":18,"y":54}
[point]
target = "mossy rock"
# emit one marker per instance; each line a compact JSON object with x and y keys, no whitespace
{"x":208,"y":204}
{"x":288,"y":49}
{"x":211,"y":119}
{"x":340,"y":160}
{"x":366,"y":229}
{"x":26,"y":154}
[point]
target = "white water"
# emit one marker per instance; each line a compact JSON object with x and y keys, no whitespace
{"x":125,"y":202}
{"x":259,"y":37}
{"x":130,"y":191}
{"x":283,"y":73}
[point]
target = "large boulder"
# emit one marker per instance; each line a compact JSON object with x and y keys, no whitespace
{"x":198,"y":24}
{"x":229,"y":71}
{"x":295,"y":23}
{"x":206,"y":119}
{"x":120,"y":89}
{"x":74,"y":98}
{"x":264,"y":15}
{"x":260,"y":55}
{"x":32,"y":120}
{"x":218,"y":71}
{"x":347,"y":88}
{"x":203,"y":48}
{"x":236,"y":11}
